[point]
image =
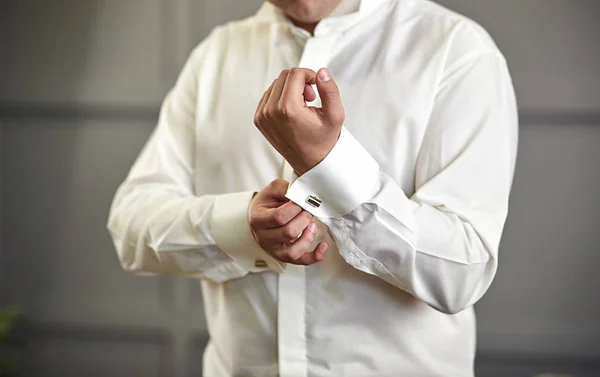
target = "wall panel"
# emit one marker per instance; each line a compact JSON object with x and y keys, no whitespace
{"x":61,"y":176}
{"x":98,"y":353}
{"x":86,"y":52}
{"x":544,"y":296}
{"x":550,"y":49}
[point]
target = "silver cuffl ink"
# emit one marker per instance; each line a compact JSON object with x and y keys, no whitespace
{"x":313,"y":201}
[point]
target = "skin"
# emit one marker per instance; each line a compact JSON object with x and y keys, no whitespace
{"x":306,"y":13}
{"x":282,"y":228}
{"x":304,"y":135}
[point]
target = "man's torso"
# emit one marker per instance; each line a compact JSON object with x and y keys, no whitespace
{"x":387,"y":66}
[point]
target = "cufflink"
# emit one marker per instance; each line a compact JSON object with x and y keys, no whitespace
{"x":259,"y":263}
{"x":313,"y":201}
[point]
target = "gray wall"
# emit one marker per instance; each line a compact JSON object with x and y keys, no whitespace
{"x":79,"y":92}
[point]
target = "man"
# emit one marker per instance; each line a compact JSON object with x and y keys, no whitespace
{"x":399,"y":171}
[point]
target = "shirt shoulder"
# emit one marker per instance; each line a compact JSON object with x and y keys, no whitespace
{"x":243,"y":29}
{"x":456,"y":36}
{"x":237,"y":37}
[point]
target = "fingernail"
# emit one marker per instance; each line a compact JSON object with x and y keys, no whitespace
{"x":324,"y":75}
{"x":312,"y":227}
{"x":324,"y":248}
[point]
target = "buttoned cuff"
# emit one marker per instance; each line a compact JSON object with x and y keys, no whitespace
{"x":230,"y":229}
{"x":345,"y":179}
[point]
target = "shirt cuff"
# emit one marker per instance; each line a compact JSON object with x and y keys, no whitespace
{"x":345,"y":179}
{"x":230,"y":229}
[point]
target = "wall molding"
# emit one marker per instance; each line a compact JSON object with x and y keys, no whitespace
{"x":559,"y":117}
{"x":546,"y":361}
{"x":95,"y":332}
{"x":67,"y":111}
{"x":60,"y":111}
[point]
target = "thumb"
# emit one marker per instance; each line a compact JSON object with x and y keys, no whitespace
{"x":277,"y":189}
{"x":330,"y":97}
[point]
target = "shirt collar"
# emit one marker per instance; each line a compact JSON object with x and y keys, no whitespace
{"x":329,"y":25}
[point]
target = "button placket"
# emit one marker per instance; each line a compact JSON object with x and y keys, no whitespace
{"x":291,"y":318}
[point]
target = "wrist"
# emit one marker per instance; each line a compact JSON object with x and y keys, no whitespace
{"x":315,"y":157}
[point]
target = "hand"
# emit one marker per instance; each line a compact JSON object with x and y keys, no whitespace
{"x":282,"y":228}
{"x":302,"y":134}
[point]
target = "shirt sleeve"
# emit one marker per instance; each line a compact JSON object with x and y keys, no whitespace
{"x":441,"y":244}
{"x":157,"y":223}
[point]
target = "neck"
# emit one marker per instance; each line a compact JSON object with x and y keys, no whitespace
{"x":310,"y":27}
{"x":344,"y":7}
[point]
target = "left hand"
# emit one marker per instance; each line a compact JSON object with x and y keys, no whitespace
{"x":302,"y":134}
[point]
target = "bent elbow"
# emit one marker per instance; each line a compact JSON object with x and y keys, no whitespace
{"x":451,"y":307}
{"x":125,"y":250}
{"x":451,"y":293}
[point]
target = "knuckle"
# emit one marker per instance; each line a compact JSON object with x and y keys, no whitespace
{"x":279,"y":218}
{"x":279,"y":254}
{"x":291,"y":254}
{"x":285,"y":72}
{"x":287,"y":255}
{"x":278,"y":185}
{"x":286,"y":110}
{"x":307,"y":215}
{"x":289,"y":232}
{"x":338,"y":117}
{"x":265,"y":114}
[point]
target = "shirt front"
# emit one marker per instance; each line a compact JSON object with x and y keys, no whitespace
{"x":412,"y":199}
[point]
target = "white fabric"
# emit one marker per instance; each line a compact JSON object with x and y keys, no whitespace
{"x":414,"y":194}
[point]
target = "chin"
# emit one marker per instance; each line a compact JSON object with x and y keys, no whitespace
{"x":306,"y":11}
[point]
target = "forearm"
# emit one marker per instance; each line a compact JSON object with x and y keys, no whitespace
{"x":158,"y":228}
{"x":440,"y":245}
{"x":431,"y":254}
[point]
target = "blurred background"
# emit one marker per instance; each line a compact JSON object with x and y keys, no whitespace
{"x":81,"y":82}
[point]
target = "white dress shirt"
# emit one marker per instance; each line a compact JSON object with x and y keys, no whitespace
{"x":413,"y":197}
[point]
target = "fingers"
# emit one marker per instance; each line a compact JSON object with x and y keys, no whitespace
{"x":288,"y":233}
{"x":262,"y":99}
{"x":317,"y":255}
{"x":276,"y":189}
{"x":278,"y":85}
{"x":261,"y":104}
{"x":309,"y":93}
{"x":298,"y":253}
{"x":276,"y":217}
{"x":284,"y":214}
{"x":295,"y":92}
{"x":330,"y":97}
{"x":290,"y":253}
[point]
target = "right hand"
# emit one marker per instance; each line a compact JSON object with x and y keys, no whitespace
{"x":282,"y":228}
